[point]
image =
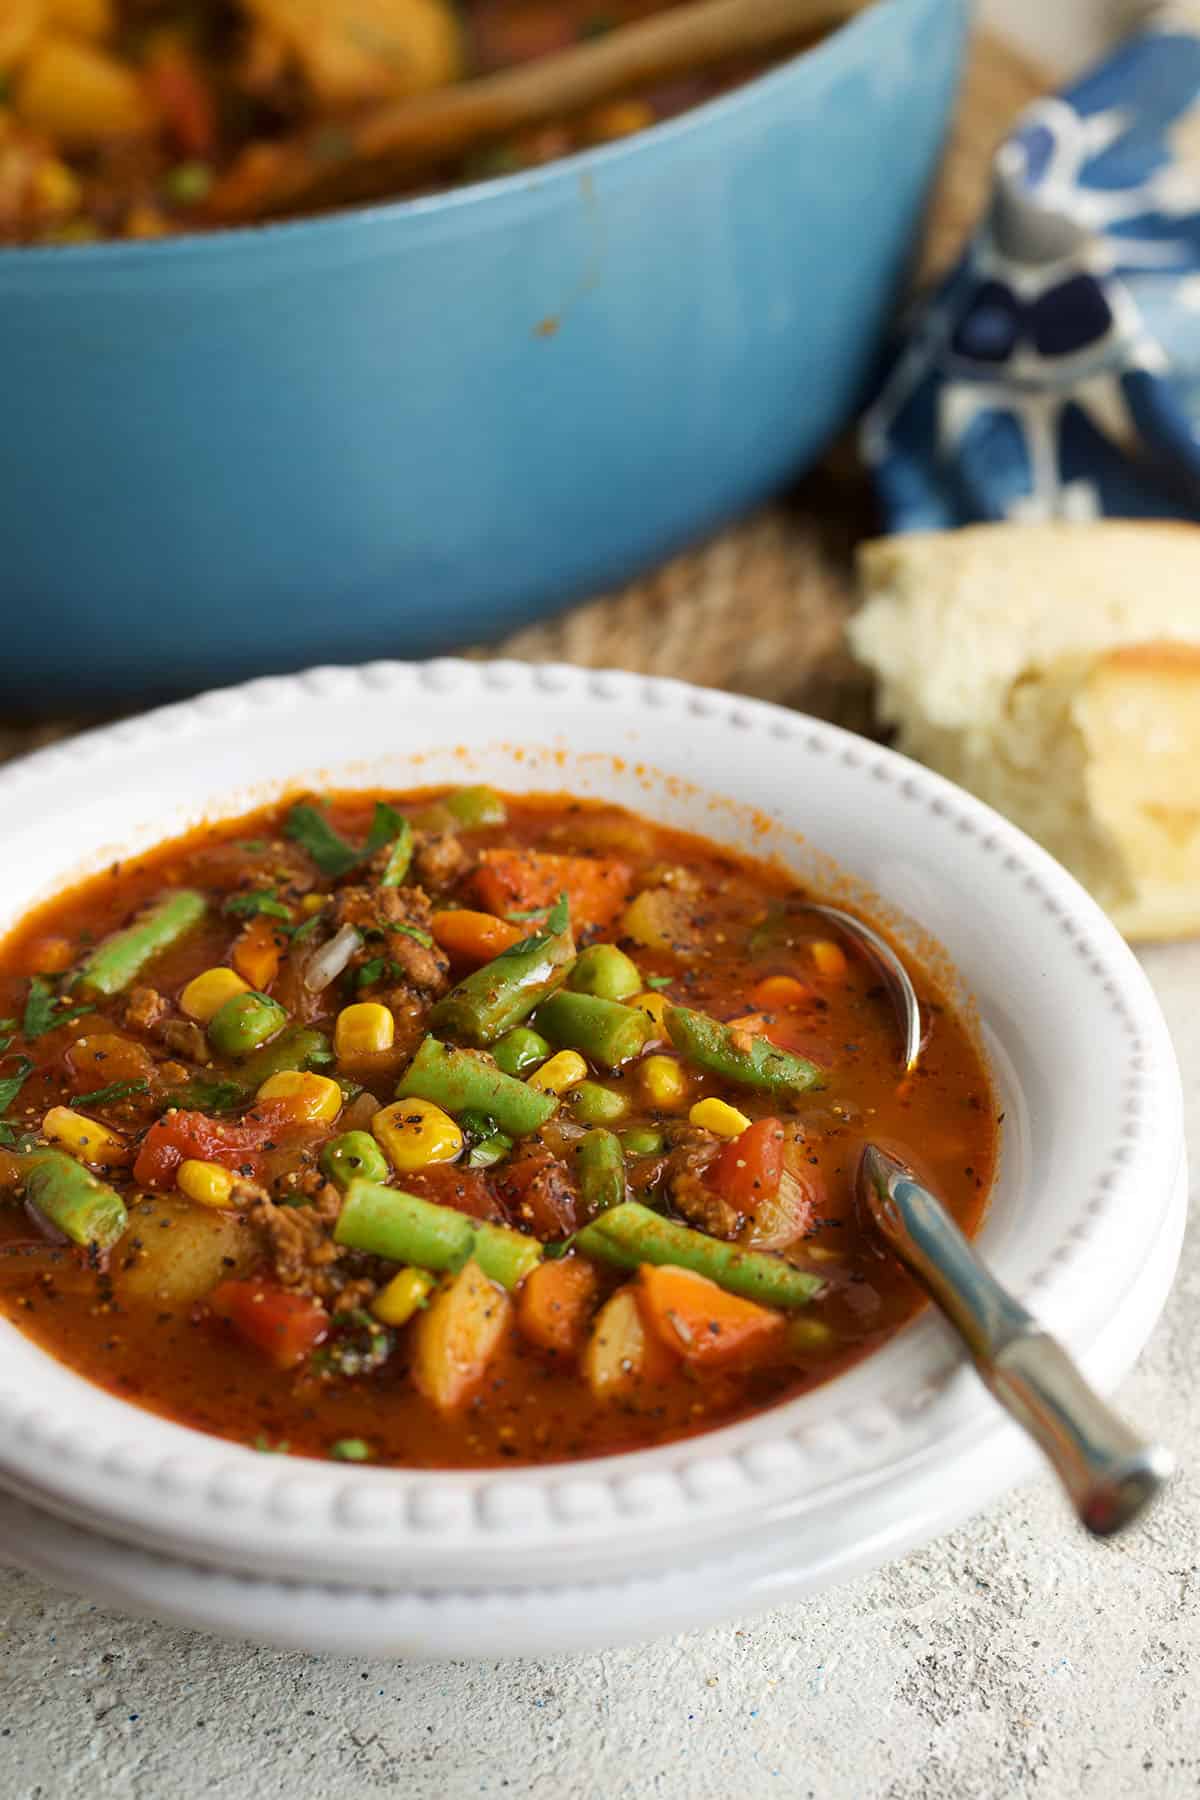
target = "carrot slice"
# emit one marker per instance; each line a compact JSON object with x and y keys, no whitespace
{"x":256,"y":953}
{"x":555,"y":1304}
{"x":700,"y":1321}
{"x":510,"y":881}
{"x":474,"y":937}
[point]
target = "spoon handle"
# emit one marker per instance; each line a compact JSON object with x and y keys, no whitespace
{"x":1109,"y":1472}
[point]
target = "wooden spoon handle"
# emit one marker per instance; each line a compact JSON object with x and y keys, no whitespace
{"x":405,"y":136}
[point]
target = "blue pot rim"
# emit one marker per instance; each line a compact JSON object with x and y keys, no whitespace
{"x":325,"y":229}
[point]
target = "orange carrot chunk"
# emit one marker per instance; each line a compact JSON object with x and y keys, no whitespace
{"x":509,"y":881}
{"x":256,"y":953}
{"x":700,"y":1321}
{"x":554,"y":1307}
{"x":474,"y":937}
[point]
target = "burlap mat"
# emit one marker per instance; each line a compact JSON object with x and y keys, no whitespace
{"x":760,"y":608}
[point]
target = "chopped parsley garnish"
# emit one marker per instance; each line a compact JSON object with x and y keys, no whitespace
{"x":44,"y":1008}
{"x":262,"y":1442}
{"x":203,"y":1095}
{"x":116,"y":1090}
{"x":307,"y":826}
{"x":380,"y":968}
{"x":248,"y":906}
{"x":351,"y":1450}
{"x":300,"y":932}
{"x":557,"y":920}
{"x":11,"y":1085}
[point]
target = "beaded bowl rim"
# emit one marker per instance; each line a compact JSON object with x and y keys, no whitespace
{"x":90,"y":1457}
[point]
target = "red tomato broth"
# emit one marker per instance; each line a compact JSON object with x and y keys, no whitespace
{"x":178,"y":1360}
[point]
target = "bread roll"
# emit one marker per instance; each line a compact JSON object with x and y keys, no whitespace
{"x":1054,"y":670}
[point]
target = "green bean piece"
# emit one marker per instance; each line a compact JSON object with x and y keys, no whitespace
{"x":114,"y":963}
{"x":737,"y":1056}
{"x":84,"y":1208}
{"x":302,"y":1047}
{"x":475,"y":807}
{"x":603,"y":969}
{"x":491,"y":1000}
{"x":593,"y":1104}
{"x":464,"y":1081}
{"x":489,"y":1151}
{"x":642,"y":1140}
{"x":631,"y":1234}
{"x":600,"y":1163}
{"x":400,"y":860}
{"x":520,"y":1051}
{"x":403,"y":1228}
{"x":245,"y":1022}
{"x":604,"y":1031}
{"x":354,"y":1154}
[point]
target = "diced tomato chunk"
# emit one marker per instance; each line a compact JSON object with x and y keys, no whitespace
{"x":452,"y":1184}
{"x":283,"y":1326}
{"x":184,"y":99}
{"x":178,"y":1136}
{"x":539,"y":1192}
{"x":749,"y":1168}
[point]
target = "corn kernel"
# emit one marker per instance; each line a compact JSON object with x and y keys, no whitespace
{"x":718,"y":1117}
{"x":312,"y":903}
{"x":404,"y":1295}
{"x":415,"y":1133}
{"x":207,"y":1183}
{"x":85,"y":1138}
{"x":205,"y":995}
{"x":363,"y":1029}
{"x":655,"y":1008}
{"x":314,"y":1099}
{"x":563,"y":1071}
{"x":830,"y":959}
{"x":664,"y":1082}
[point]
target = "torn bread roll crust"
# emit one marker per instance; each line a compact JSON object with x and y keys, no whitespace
{"x":1054,"y":670}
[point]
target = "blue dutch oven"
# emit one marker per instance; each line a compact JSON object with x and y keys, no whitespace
{"x":406,"y":427}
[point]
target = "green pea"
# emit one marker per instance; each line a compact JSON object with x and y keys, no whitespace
{"x":188,"y":182}
{"x":640,"y":1140}
{"x":521,"y":1050}
{"x":244,"y":1023}
{"x":604,"y":970}
{"x":596,"y":1105}
{"x":354,"y":1153}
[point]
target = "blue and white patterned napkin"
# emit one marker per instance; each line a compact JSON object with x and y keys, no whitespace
{"x":1055,"y":373}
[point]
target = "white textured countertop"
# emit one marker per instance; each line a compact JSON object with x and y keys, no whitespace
{"x":1012,"y":1659}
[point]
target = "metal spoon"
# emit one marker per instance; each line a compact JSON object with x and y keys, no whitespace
{"x":1109,"y":1472}
{"x":899,"y":984}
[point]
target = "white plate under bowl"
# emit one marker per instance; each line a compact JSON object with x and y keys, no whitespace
{"x":1082,"y":1221}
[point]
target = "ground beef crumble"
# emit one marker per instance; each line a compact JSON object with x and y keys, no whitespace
{"x":396,"y":912}
{"x":303,"y":1253}
{"x":691,"y":1157}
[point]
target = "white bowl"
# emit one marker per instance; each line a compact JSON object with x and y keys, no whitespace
{"x":1084,"y":1222}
